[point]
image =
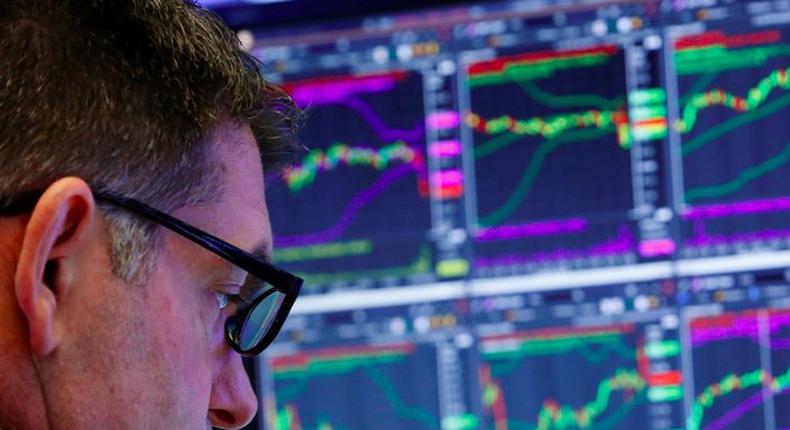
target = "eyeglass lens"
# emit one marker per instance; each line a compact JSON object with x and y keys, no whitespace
{"x":259,"y":318}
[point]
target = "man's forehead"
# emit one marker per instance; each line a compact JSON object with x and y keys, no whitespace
{"x":239,"y":215}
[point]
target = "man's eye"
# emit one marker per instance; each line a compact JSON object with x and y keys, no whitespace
{"x":223,"y":300}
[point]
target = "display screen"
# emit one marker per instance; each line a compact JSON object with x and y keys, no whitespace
{"x":540,"y":215}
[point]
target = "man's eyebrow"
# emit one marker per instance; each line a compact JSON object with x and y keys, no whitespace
{"x":262,"y":251}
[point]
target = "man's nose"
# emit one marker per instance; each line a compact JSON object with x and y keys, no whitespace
{"x":233,"y":403}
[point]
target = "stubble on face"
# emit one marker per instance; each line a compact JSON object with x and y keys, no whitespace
{"x":109,"y":369}
{"x":147,"y":356}
{"x":135,"y":357}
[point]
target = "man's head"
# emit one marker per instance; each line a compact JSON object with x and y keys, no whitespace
{"x":109,"y":321}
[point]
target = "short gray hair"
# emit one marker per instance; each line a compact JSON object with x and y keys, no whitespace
{"x":126,"y":95}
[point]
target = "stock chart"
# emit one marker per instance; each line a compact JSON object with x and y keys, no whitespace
{"x":748,"y":389}
{"x":390,"y":367}
{"x":595,"y":192}
{"x":733,"y":109}
{"x":355,"y":208}
{"x":357,"y":388}
{"x":564,"y":360}
{"x":552,"y":167}
{"x":541,"y":380}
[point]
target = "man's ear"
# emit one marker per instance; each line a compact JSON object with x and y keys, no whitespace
{"x":58,"y":225}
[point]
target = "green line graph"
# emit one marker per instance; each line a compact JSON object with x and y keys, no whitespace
{"x":534,"y":168}
{"x":703,"y":82}
{"x":288,"y":419}
{"x":420,"y":265}
{"x":322,"y":251}
{"x":550,"y":118}
{"x":593,"y":347}
{"x":505,"y":138}
{"x":553,"y":416}
{"x":368,"y":364}
{"x":546,"y":127}
{"x":522,"y":69}
{"x":759,"y":102}
{"x":755,"y":97}
{"x":604,"y":112}
{"x":338,"y":154}
{"x":608,"y":423}
{"x":413,"y":413}
{"x":329,"y":366}
{"x":571,"y":100}
{"x":720,"y":58}
{"x":731,"y":124}
{"x":421,"y":415}
{"x":743,"y":179}
{"x":496,"y":144}
{"x":729,"y":384}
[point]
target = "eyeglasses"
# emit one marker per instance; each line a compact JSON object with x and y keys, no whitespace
{"x":265,"y":298}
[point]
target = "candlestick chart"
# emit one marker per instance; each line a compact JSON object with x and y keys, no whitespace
{"x":382,"y":387}
{"x":565,"y":378}
{"x":741,"y":370}
{"x":355,"y":206}
{"x":732,"y":108}
{"x":552,"y":167}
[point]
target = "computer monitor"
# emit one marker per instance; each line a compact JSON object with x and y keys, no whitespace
{"x":534,"y":215}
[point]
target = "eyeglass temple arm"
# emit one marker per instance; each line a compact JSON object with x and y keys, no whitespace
{"x":276,"y":276}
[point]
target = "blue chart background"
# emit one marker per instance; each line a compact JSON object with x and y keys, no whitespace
{"x":356,"y":401}
{"x":396,"y":222}
{"x":590,"y":179}
{"x":740,"y":149}
{"x":570,"y":379}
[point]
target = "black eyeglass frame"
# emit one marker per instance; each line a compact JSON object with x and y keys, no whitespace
{"x":281,"y":280}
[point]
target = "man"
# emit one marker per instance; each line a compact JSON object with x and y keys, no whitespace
{"x":132,"y":140}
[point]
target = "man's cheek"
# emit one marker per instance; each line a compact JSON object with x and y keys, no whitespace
{"x":185,"y":354}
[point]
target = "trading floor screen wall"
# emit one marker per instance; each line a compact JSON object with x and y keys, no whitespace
{"x":536,"y":215}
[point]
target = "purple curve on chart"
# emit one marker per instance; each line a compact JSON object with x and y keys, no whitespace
{"x":533,"y":229}
{"x":703,"y":238}
{"x":699,"y":214}
{"x":380,"y":128}
{"x":323,"y":93}
{"x":345,"y":93}
{"x":735,"y":413}
{"x":622,"y":244}
{"x":748,"y":207}
{"x":357,"y":203}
